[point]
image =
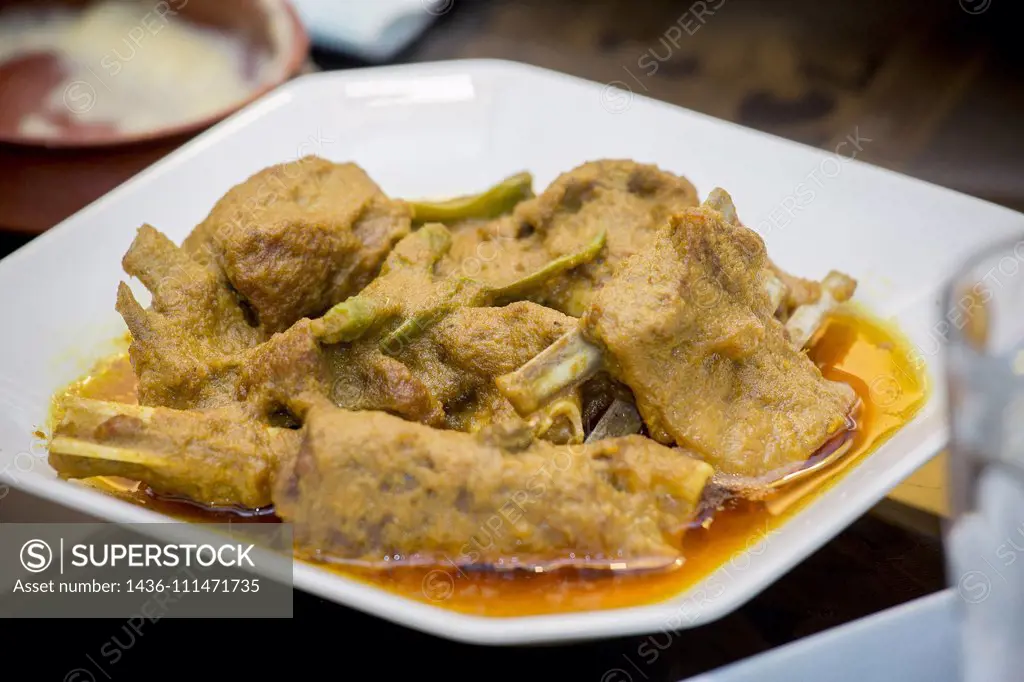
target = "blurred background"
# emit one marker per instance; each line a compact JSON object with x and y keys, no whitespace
{"x":934,"y":85}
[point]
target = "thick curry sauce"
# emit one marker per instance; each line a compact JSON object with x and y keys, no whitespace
{"x":852,"y":347}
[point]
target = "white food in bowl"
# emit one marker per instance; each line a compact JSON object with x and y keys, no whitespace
{"x":136,"y":67}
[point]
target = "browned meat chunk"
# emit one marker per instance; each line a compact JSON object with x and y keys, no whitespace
{"x":626,"y":199}
{"x":371,"y":488}
{"x":368,"y":486}
{"x":296,"y":238}
{"x":364,"y":354}
{"x":289,"y":242}
{"x":444,"y":378}
{"x":788,"y":292}
{"x":412,"y":290}
{"x":689,"y":327}
{"x":459,"y":357}
{"x":192,"y":321}
{"x":212,"y":458}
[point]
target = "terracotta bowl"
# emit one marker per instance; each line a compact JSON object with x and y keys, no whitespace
{"x":44,"y":178}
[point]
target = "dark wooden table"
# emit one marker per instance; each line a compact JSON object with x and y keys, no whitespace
{"x":935,"y":87}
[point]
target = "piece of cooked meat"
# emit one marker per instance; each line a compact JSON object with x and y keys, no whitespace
{"x":298,"y":237}
{"x":289,"y":242}
{"x":690,"y":329}
{"x":370,"y":488}
{"x":788,"y":292}
{"x":688,"y":325}
{"x":412,"y":290}
{"x":444,"y":378}
{"x":366,"y":486}
{"x":419,"y":351}
{"x":185,"y":365}
{"x":194,"y":347}
{"x":459,"y":357}
{"x":626,"y":199}
{"x":441,"y":373}
{"x":213,"y":458}
{"x":192,"y":321}
{"x":364,"y":354}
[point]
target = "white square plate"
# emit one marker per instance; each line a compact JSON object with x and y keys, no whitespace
{"x":914,"y":642}
{"x":449,"y":128}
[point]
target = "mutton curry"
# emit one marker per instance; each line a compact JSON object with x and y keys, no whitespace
{"x":617,"y":362}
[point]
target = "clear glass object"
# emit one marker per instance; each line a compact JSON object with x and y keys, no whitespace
{"x":983,"y":317}
{"x":984,"y":311}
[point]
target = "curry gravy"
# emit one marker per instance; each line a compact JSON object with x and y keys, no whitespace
{"x":851,"y":347}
